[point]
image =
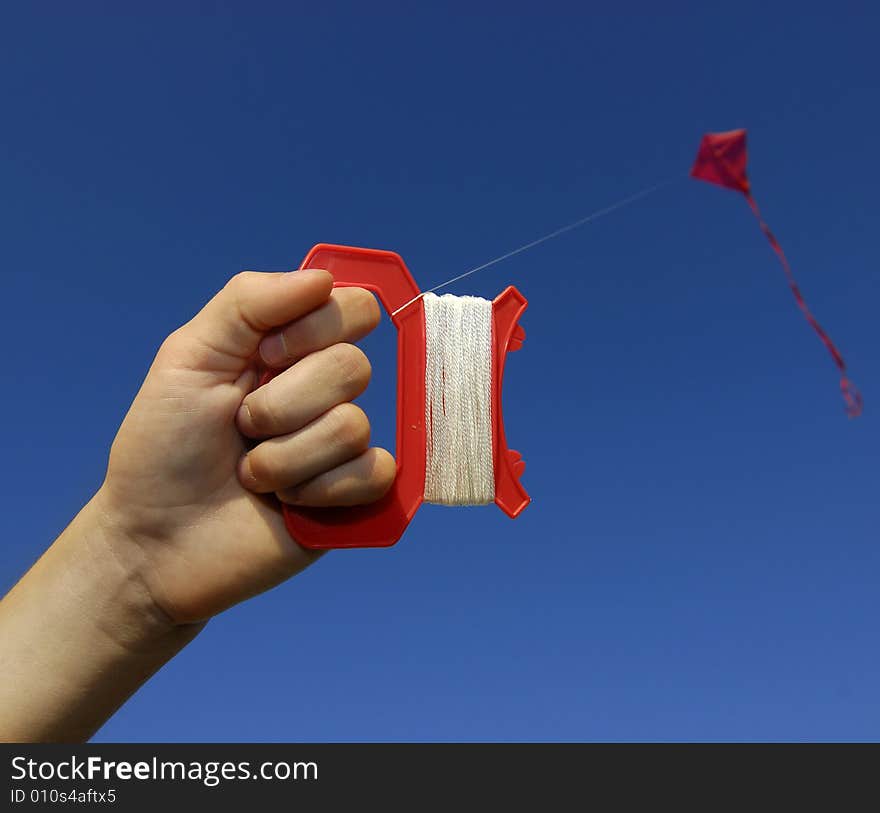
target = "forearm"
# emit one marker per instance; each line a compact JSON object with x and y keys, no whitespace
{"x":184,"y":527}
{"x":78,"y":635}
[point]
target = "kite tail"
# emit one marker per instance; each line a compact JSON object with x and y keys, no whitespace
{"x":850,"y":392}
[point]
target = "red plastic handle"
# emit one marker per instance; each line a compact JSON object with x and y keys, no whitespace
{"x":382,"y":523}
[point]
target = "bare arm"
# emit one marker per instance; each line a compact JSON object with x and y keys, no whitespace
{"x":78,"y":635}
{"x":181,"y":529}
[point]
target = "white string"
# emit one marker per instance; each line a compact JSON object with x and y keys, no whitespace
{"x":459,"y":466}
{"x":556,"y":233}
{"x":458,"y":412}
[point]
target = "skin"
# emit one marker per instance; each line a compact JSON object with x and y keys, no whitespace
{"x":185,"y":524}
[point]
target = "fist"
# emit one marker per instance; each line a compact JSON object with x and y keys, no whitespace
{"x":313,"y":444}
{"x":193,"y":470}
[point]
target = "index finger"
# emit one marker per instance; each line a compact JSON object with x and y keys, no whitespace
{"x":347,"y":316}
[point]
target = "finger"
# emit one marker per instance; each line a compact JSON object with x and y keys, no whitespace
{"x":283,"y":462}
{"x":363,"y":480}
{"x":229,"y":328}
{"x":305,"y":391}
{"x":349,"y":315}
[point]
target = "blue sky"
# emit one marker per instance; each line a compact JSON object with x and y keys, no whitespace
{"x":700,"y":560}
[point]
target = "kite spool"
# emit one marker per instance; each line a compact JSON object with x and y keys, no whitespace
{"x":382,"y":523}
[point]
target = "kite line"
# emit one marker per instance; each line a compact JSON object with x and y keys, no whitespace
{"x":643,"y":193}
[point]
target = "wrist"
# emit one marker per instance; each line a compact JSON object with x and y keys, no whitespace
{"x":117,"y":560}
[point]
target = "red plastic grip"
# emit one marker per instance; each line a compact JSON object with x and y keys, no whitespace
{"x":382,"y":523}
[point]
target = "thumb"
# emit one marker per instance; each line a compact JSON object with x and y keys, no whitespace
{"x":226,"y":333}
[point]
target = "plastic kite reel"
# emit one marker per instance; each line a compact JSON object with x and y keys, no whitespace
{"x":382,"y":523}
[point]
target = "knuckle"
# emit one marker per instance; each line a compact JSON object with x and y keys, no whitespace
{"x":171,"y":344}
{"x":351,"y":365}
{"x":175,"y":337}
{"x":177,"y":347}
{"x":239,"y":290}
{"x":241,"y":280}
{"x":349,"y":427}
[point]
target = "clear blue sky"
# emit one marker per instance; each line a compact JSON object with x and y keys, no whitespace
{"x":701,"y":558}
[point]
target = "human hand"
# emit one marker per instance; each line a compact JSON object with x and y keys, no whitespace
{"x":192,"y":502}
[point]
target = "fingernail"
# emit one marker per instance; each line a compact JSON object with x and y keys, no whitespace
{"x":273,"y":350}
{"x":243,"y":418}
{"x":246,"y":475}
{"x":311,"y":272}
{"x":291,"y":496}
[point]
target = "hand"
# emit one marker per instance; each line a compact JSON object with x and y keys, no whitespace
{"x":193,"y":503}
{"x":185,"y":524}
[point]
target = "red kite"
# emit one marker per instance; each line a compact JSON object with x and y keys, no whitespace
{"x":722,"y":160}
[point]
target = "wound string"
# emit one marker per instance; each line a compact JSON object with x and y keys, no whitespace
{"x":458,"y":396}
